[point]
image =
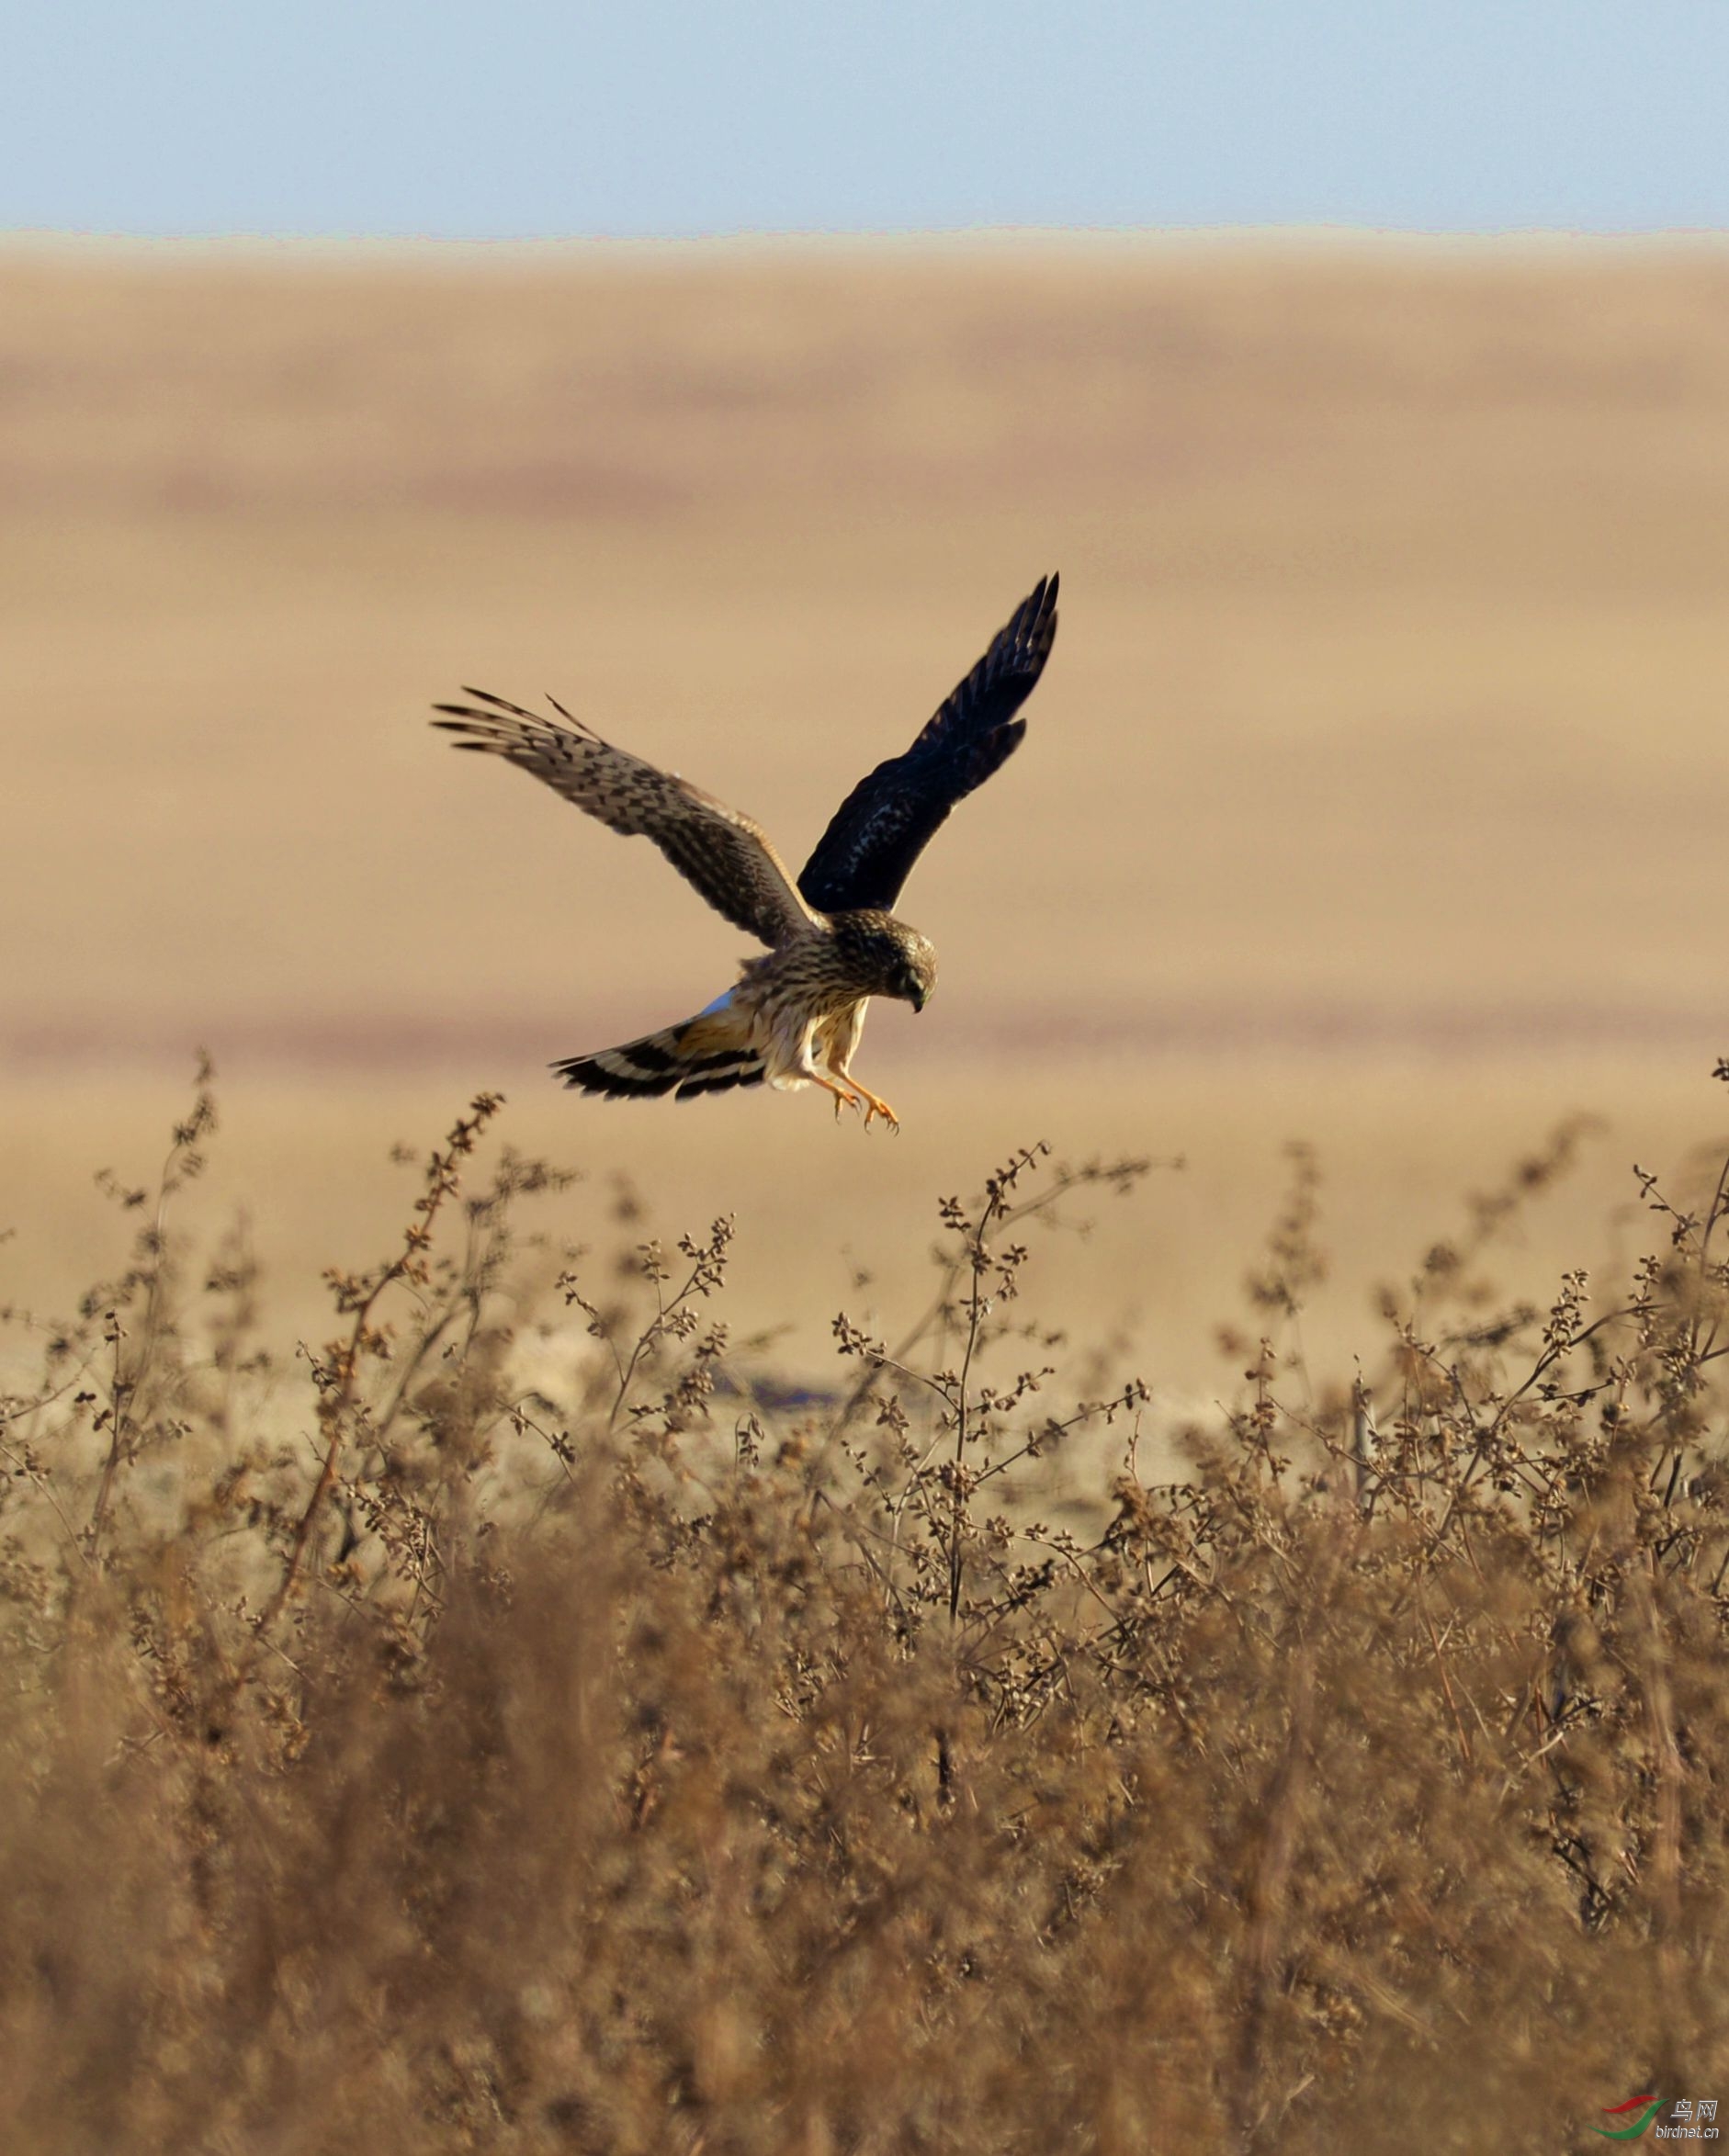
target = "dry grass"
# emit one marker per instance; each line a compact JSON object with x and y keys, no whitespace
{"x":827,"y":1217}
{"x":645,"y":1754}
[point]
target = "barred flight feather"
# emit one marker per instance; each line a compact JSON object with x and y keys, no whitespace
{"x":707,"y":1053}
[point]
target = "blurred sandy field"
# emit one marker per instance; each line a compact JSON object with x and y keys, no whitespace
{"x":1376,"y":794}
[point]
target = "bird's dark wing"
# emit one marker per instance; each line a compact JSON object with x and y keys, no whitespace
{"x":725,"y":855}
{"x":886,"y":822}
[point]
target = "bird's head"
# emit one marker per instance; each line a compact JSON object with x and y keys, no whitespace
{"x":897,"y":961}
{"x":912,"y":976}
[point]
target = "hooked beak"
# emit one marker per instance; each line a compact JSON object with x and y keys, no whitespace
{"x":919,"y":999}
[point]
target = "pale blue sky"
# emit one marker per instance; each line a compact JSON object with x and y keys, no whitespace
{"x":668,"y":118}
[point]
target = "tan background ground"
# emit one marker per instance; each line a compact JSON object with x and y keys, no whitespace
{"x":1377,"y":794}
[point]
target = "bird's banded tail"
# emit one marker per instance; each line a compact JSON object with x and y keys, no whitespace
{"x":708,"y":1053}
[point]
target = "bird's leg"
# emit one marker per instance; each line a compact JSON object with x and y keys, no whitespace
{"x":864,"y":1096}
{"x":874,"y":1106}
{"x":843,"y":1096}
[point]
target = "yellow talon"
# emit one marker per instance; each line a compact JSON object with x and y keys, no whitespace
{"x":843,"y":1097}
{"x":874,"y":1108}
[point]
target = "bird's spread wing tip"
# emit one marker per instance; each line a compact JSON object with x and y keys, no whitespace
{"x":878,"y":831}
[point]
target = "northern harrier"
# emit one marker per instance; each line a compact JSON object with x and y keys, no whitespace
{"x":794,"y":1017}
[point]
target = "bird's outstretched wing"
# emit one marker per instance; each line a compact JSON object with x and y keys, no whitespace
{"x":725,"y":855}
{"x":886,"y":822}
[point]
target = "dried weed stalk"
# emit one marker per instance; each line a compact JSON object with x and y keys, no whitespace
{"x":667,"y":1755}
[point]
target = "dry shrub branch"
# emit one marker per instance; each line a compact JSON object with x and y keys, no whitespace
{"x":669,"y":1754}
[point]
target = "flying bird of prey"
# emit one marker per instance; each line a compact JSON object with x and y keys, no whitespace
{"x":795,"y":1016}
